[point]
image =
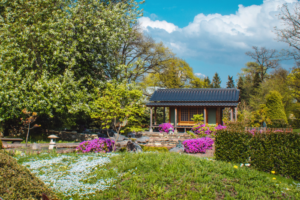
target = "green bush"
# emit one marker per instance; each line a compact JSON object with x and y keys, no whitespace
{"x":276,"y":151}
{"x":159,"y":149}
{"x":16,"y":182}
{"x":276,"y":109}
{"x":1,"y":144}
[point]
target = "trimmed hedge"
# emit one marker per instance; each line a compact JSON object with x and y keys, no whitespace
{"x":16,"y":181}
{"x":276,"y":151}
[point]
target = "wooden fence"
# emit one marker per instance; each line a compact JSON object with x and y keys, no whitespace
{"x":264,"y":129}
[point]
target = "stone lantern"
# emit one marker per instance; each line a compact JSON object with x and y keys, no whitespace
{"x":170,"y":131}
{"x":52,"y":144}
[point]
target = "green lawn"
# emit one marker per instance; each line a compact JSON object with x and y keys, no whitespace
{"x":175,"y":176}
{"x":296,"y":130}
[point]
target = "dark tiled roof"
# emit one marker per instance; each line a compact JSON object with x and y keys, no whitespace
{"x":207,"y":94}
{"x":167,"y":104}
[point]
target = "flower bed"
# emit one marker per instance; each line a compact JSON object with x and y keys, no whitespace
{"x":165,"y":127}
{"x":206,"y":130}
{"x":199,"y":145}
{"x":102,"y":145}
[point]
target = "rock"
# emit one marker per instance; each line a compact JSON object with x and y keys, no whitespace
{"x":122,"y":143}
{"x":35,"y":146}
{"x":119,"y":137}
{"x":177,"y":150}
{"x":142,"y":140}
{"x":133,"y":147}
{"x":131,"y":135}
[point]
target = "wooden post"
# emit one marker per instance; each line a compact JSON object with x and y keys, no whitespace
{"x":164,"y":114}
{"x":231,"y":114}
{"x":204,"y":115}
{"x":155,"y":116}
{"x":175,"y":125}
{"x":151,"y":129}
{"x":235,"y":112}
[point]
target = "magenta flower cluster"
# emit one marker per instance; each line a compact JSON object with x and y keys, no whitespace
{"x":208,"y":130}
{"x":101,"y":145}
{"x":199,"y":145}
{"x":165,"y":127}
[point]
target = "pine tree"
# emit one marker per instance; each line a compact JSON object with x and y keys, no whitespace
{"x":230,"y":83}
{"x":241,"y":87}
{"x":216,"y":82}
{"x":207,"y":81}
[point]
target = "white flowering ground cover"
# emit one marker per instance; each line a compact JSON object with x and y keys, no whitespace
{"x":73,"y":175}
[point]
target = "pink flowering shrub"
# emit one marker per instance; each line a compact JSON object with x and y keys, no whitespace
{"x":199,"y":145}
{"x":205,"y":130}
{"x":165,"y":127}
{"x":102,"y":145}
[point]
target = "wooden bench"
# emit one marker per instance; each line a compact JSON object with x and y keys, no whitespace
{"x":12,"y":140}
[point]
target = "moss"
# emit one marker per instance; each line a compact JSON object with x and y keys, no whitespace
{"x":159,"y":149}
{"x":16,"y":181}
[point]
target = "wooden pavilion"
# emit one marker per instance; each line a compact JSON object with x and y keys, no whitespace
{"x":183,"y":104}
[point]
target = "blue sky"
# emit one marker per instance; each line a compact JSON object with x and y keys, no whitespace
{"x":213,"y":36}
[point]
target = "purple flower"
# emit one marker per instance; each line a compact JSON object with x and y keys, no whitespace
{"x":97,"y":145}
{"x":199,"y":145}
{"x":165,"y":127}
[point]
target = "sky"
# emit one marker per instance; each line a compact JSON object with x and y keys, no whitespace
{"x":213,"y":36}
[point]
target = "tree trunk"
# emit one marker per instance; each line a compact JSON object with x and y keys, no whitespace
{"x":27,"y":133}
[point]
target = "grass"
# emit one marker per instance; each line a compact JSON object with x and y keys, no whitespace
{"x":180,"y":176}
{"x":296,"y":130}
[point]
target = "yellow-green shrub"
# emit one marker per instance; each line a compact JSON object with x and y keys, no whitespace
{"x":16,"y":181}
{"x":159,"y":149}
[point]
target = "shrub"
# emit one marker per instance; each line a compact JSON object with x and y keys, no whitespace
{"x":103,"y":145}
{"x":16,"y":181}
{"x":276,"y":109}
{"x":276,"y":151}
{"x":165,"y":127}
{"x":199,"y":145}
{"x":1,"y":146}
{"x":159,"y":149}
{"x":203,"y":130}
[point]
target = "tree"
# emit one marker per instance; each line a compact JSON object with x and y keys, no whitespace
{"x":294,"y":83}
{"x":290,"y":34}
{"x":260,"y":116}
{"x":176,"y":73}
{"x":207,"y":81}
{"x":216,"y":82}
{"x":116,"y":105}
{"x":30,"y":118}
{"x":241,"y":87}
{"x":230,"y":83}
{"x":275,"y":106}
{"x":265,"y":59}
{"x":53,"y":54}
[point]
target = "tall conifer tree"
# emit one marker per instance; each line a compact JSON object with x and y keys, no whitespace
{"x":230,"y":83}
{"x":216,"y":82}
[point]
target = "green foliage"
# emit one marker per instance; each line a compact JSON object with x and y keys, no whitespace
{"x":159,"y":149}
{"x":216,"y":81}
{"x":191,"y":134}
{"x":1,"y":145}
{"x":16,"y":181}
{"x":260,"y":116}
{"x":294,"y":83}
{"x":198,"y":118}
{"x":54,"y":53}
{"x":230,"y":83}
{"x":275,"y":106}
{"x":276,"y":151}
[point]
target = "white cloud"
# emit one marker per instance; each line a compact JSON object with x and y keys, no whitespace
{"x":147,"y":22}
{"x":217,"y":38}
{"x":200,"y":75}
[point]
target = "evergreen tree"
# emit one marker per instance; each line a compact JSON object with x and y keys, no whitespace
{"x":207,"y":81}
{"x":241,"y":87}
{"x":216,"y":82}
{"x":276,"y":109}
{"x":230,"y":83}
